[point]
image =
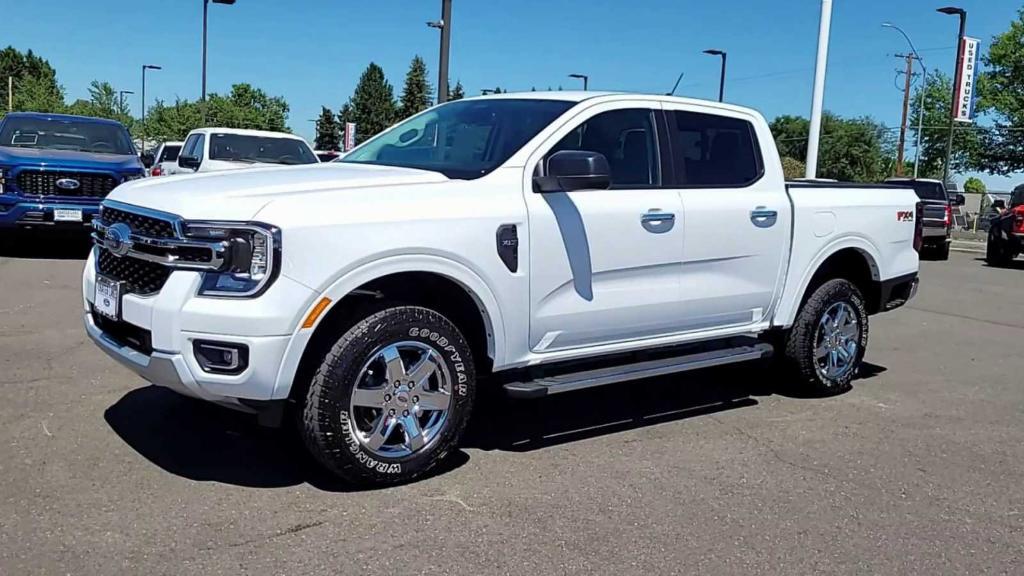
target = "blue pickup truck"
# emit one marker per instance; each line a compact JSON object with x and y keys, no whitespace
{"x":55,"y":169}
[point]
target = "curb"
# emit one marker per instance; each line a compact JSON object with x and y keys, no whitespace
{"x":971,"y":247}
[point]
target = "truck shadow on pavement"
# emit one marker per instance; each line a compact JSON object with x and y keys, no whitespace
{"x":205,"y":443}
{"x":44,"y":244}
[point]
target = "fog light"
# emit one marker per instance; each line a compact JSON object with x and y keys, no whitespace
{"x":221,"y":357}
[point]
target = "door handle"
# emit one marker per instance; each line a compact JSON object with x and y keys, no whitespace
{"x":763,"y":218}
{"x":658,"y":222}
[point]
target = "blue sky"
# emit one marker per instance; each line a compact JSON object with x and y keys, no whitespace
{"x":312,"y":52}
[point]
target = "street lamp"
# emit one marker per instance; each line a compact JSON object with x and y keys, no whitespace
{"x":120,"y":97}
{"x":144,"y":68}
{"x":721,"y":78}
{"x":920,"y":102}
{"x":950,"y":11}
{"x":584,"y":77}
{"x":445,"y":26}
{"x":206,"y":7}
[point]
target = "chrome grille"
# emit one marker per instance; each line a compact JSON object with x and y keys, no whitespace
{"x":44,"y":183}
{"x":140,"y":277}
{"x":139,"y":223}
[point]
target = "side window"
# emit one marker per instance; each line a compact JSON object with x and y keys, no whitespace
{"x":197,"y":149}
{"x":188,"y":149}
{"x":1017,"y":198}
{"x":710,"y":150}
{"x":627,"y":139}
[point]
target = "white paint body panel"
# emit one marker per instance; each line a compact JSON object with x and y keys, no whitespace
{"x":342,"y":225}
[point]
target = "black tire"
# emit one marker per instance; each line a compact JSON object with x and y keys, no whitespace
{"x":996,"y":251}
{"x":802,"y":338}
{"x":328,"y":428}
{"x":942,"y":252}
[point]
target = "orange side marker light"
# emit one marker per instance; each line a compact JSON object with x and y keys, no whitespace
{"x":315,"y":313}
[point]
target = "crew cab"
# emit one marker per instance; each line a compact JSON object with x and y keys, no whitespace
{"x":1006,"y":230}
{"x":164,"y":160}
{"x":216,"y":149}
{"x":936,"y":214}
{"x":55,"y":168}
{"x":540,"y":243}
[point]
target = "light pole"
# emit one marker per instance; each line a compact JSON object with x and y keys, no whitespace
{"x":818,"y":97}
{"x":721,"y":78}
{"x":144,"y":68}
{"x":584,"y":77}
{"x":120,"y":97}
{"x":445,"y":26}
{"x":920,"y":99}
{"x":951,"y":10}
{"x":206,"y":7}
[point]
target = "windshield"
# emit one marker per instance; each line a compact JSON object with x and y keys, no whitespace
{"x":66,"y":134}
{"x":170,"y":153}
{"x":260,"y":149}
{"x":929,"y":191}
{"x":464,"y":139}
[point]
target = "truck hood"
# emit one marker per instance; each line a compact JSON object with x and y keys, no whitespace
{"x":240,"y":194}
{"x":14,"y":156}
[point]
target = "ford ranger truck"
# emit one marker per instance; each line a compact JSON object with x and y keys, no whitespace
{"x":541,"y":243}
{"x":55,"y":169}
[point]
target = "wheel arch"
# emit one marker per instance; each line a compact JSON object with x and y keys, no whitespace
{"x":426,"y":280}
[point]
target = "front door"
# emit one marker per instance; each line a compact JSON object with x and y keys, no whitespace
{"x":604,"y":264}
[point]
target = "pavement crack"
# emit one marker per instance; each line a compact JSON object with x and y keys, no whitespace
{"x":294,"y":529}
{"x":771,"y":450}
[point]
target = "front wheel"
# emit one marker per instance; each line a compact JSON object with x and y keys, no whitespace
{"x":996,"y":252}
{"x":826,"y":344}
{"x":391,"y":398}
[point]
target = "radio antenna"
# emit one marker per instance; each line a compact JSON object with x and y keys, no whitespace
{"x":676,"y":85}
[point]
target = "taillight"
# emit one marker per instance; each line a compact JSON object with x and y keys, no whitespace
{"x":948,"y":218}
{"x":1018,"y":223}
{"x":918,"y":227}
{"x":156,"y":171}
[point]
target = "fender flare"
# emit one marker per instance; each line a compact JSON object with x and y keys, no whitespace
{"x":792,"y":297}
{"x":455,"y":271}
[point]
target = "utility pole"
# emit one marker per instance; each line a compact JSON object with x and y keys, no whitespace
{"x":818,"y":99}
{"x":906,"y":108}
{"x":445,"y":26}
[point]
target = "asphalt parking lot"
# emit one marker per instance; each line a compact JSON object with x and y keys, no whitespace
{"x":918,"y":470}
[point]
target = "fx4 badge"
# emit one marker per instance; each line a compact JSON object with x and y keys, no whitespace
{"x":905,"y":216}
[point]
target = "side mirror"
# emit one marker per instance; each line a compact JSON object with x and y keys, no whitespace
{"x":190,"y":162}
{"x":147,"y":159}
{"x":998,"y":205}
{"x":959,"y":200}
{"x":570,"y":170}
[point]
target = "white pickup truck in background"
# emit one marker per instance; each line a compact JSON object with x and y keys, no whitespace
{"x":530,"y":241}
{"x":216,"y":149}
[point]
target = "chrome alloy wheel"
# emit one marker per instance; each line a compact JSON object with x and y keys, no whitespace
{"x":836,"y":342}
{"x":401,"y":399}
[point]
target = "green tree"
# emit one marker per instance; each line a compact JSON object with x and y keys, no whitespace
{"x":171,"y":122}
{"x":328,"y":135}
{"x":793,"y":168}
{"x":458,"y":92}
{"x":372,"y":103}
{"x":935,"y":136}
{"x":851,"y":149}
{"x":34,"y":82}
{"x":102,"y":103}
{"x":417,"y":93}
{"x":1001,"y":96}
{"x":244,"y":107}
{"x":974,"y":185}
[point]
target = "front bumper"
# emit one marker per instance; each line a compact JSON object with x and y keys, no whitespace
{"x":175,"y":317}
{"x":18,"y":212}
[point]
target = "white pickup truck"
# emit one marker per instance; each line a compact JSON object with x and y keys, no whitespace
{"x":535,"y":242}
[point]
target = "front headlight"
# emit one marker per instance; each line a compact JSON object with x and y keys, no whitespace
{"x":130,"y":177}
{"x":3,"y":178}
{"x":252,"y":252}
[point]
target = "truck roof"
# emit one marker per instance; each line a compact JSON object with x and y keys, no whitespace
{"x":580,"y":96}
{"x":245,"y":132}
{"x":65,"y":117}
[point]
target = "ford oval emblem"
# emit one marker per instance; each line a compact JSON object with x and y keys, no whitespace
{"x":68,"y":184}
{"x":118,"y":239}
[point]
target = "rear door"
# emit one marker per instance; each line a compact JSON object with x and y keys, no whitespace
{"x":604,"y":264}
{"x":737,"y":217}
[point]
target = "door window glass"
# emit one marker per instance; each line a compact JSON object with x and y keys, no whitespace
{"x":627,"y":140}
{"x":711,"y":150}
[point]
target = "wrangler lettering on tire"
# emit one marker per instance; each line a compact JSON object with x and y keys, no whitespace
{"x":391,"y":398}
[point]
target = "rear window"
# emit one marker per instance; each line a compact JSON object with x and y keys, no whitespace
{"x":260,"y":149}
{"x":169,"y":154}
{"x":929,"y":190}
{"x":713,"y":151}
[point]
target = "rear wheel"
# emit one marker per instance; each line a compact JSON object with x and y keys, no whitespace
{"x":997,"y":253}
{"x":391,"y":398}
{"x":942,"y":252}
{"x":826,"y":344}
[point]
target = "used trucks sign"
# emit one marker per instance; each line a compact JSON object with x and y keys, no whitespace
{"x":965,"y":81}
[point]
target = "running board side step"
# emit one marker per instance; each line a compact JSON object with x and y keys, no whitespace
{"x":610,"y":375}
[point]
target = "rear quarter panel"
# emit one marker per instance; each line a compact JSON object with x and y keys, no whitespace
{"x":878,"y":222}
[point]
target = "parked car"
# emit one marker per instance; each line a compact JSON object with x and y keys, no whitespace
{"x":327,"y":155}
{"x":534,"y":241}
{"x":216,"y":149}
{"x":55,"y":168}
{"x":937,"y":210}
{"x":1006,"y":230}
{"x":164,"y":160}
